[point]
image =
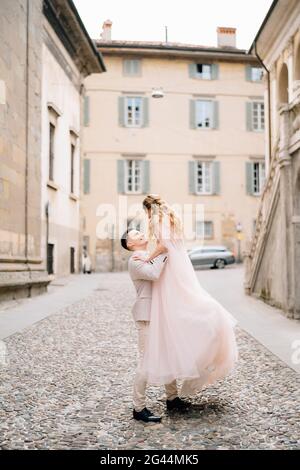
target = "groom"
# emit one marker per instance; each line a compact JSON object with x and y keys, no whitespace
{"x":142,"y":274}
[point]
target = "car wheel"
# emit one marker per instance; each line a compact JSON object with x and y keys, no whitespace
{"x":220,"y":263}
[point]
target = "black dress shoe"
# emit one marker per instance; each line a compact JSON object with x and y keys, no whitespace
{"x":146,"y":416}
{"x":177,"y":404}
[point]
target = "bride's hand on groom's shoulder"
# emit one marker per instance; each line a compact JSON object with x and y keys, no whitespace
{"x":139,"y":258}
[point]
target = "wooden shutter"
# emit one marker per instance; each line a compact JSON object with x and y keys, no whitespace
{"x":145,"y":111}
{"x":248,"y":73}
{"x":145,"y":176}
{"x":126,"y":67}
{"x":192,"y":176}
{"x":121,"y":175}
{"x":86,"y":110}
{"x":215,"y":123}
{"x":121,"y":105}
{"x":214,"y":71}
{"x":192,"y":70}
{"x":86,"y":175}
{"x":216,"y":177}
{"x":193,"y":114}
{"x":249,"y":177}
{"x":249,"y":116}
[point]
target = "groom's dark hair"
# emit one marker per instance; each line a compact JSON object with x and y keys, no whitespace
{"x":124,"y":239}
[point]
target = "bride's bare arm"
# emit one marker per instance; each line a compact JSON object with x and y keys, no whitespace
{"x":159,"y":249}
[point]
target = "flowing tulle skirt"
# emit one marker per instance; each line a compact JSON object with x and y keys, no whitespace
{"x":191,"y":335}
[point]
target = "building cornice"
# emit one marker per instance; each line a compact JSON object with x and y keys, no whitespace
{"x":279,"y":25}
{"x":175,"y":50}
{"x":66,"y":22}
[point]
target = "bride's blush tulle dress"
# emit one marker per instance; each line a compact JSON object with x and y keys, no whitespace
{"x":191,"y":335}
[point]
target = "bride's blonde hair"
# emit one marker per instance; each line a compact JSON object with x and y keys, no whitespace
{"x":157,"y":208}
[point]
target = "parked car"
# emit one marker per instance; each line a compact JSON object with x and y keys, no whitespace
{"x":213,"y":256}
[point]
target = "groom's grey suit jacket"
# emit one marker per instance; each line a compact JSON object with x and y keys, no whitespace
{"x":142,"y":275}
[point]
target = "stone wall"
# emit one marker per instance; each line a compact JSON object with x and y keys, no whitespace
{"x":20,"y":147}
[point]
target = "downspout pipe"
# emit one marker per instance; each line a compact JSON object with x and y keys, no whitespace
{"x":269,"y":102}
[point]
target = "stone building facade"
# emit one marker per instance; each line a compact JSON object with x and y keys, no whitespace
{"x":21,"y":267}
{"x":273,"y":254}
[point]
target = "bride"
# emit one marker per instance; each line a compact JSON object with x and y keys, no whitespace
{"x":191,"y":335}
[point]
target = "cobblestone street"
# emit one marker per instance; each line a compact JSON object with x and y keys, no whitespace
{"x":68,"y":385}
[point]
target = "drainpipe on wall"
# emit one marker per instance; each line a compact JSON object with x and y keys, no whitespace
{"x":269,"y":103}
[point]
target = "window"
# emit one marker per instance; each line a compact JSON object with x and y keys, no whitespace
{"x":203,"y":177}
{"x":72,"y":167}
{"x":258,"y":177}
{"x":204,"y":71}
{"x":256,"y":74}
{"x":51,"y":151}
{"x":204,"y":114}
{"x":53,"y":115}
{"x":258,"y":116}
{"x":255,"y":177}
{"x":133,"y":111}
{"x":204,"y":229}
{"x":132,"y":67}
{"x":133,"y":176}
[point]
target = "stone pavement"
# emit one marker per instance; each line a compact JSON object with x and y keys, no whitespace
{"x":68,"y":385}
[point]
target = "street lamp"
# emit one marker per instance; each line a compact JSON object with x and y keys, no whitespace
{"x":157,"y":92}
{"x":239,"y":237}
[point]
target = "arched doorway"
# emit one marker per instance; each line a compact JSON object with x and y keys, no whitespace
{"x":297,"y":64}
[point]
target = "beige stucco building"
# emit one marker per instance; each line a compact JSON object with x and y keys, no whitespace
{"x":273,"y":256}
{"x":64,"y":69}
{"x":201,"y":143}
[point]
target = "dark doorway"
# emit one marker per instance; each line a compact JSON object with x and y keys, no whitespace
{"x":50,"y":258}
{"x":72,"y":260}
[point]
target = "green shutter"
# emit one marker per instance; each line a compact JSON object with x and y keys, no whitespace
{"x":215,"y":123}
{"x":146,"y":176}
{"x":121,"y":104}
{"x":121,"y":175}
{"x":126,"y":67}
{"x":215,"y":71}
{"x":145,"y":110}
{"x":192,"y":70}
{"x":86,"y":176}
{"x":249,"y":177}
{"x":216,"y":177}
{"x":192,"y":177}
{"x":193,"y":114}
{"x":248,"y":74}
{"x":86,"y":110}
{"x":137,"y":66}
{"x":249,"y":116}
